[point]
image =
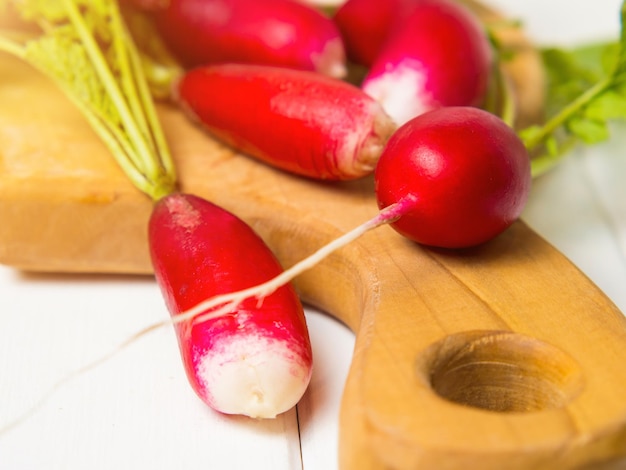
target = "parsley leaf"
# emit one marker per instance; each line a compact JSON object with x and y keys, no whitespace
{"x":587,"y":90}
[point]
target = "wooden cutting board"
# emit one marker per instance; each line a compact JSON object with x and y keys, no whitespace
{"x":502,"y":356}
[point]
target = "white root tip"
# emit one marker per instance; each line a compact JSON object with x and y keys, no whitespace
{"x":332,"y":60}
{"x":383,"y":126}
{"x":401,"y":91}
{"x":255,"y":377}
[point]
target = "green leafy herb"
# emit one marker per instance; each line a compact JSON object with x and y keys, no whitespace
{"x":86,"y":49}
{"x":587,"y":90}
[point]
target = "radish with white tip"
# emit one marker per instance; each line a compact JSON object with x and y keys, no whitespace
{"x":440,"y":55}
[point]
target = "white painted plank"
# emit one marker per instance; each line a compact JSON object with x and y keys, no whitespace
{"x":135,"y":411}
{"x":318,"y":411}
{"x":607,"y":170}
{"x":564,"y":22}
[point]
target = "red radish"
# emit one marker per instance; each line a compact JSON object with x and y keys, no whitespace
{"x":254,"y":359}
{"x":298,"y":121}
{"x":365,"y":25}
{"x":439,"y":56}
{"x":468,"y":171}
{"x":284,"y":33}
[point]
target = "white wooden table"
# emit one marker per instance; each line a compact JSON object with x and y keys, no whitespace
{"x":137,"y":411}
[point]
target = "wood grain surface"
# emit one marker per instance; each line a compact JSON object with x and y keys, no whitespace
{"x":502,"y":356}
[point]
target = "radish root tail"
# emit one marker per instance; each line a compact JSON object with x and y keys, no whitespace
{"x":232,"y":300}
{"x":43,"y":399}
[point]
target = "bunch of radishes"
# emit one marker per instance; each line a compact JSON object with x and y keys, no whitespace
{"x":267,"y":77}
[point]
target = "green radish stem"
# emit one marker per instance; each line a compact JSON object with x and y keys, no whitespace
{"x":543,"y":164}
{"x":102,"y":74}
{"x":72,"y":375}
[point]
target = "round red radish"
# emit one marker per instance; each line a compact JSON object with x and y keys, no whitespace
{"x":468,"y":172}
{"x":439,"y":56}
{"x":255,"y":360}
{"x":298,"y":121}
{"x":283,"y":33}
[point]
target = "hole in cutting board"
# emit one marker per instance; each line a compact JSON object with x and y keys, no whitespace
{"x":501,"y":371}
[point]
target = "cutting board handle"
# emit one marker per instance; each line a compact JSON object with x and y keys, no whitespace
{"x":503,"y":356}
